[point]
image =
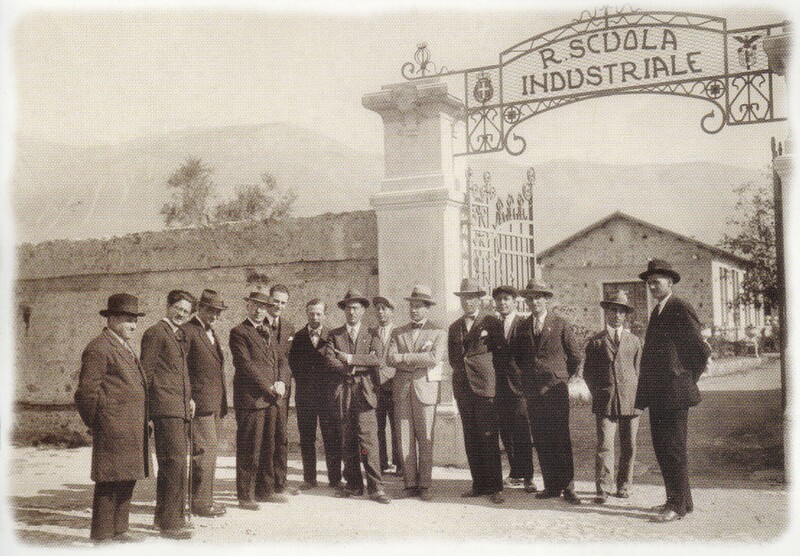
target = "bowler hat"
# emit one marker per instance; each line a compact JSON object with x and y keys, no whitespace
{"x":658,"y":266}
{"x":258,"y":297}
{"x":508,"y":290}
{"x":122,"y":304}
{"x":421,"y":293}
{"x":212,"y":299}
{"x":353,"y":296}
{"x":470,"y":288}
{"x":619,"y":299}
{"x":535,"y":288}
{"x":383,"y":299}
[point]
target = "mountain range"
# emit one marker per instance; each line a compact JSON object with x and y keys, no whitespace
{"x":70,"y":192}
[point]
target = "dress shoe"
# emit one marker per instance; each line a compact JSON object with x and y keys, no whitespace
{"x":214,"y":510}
{"x":248,"y":505}
{"x":497,"y":497}
{"x":288,"y":489}
{"x":177,"y":533}
{"x":274,"y":498}
{"x":425,"y":494}
{"x":399,"y":472}
{"x":659,"y":508}
{"x":409,"y":492}
{"x":127,"y":537}
{"x":347,"y":492}
{"x":512,"y":481}
{"x":380,"y":497}
{"x":547,"y":494}
{"x":470,"y":494}
{"x":530,"y":488}
{"x":571,"y":498}
{"x":622,"y":493}
{"x":600,"y":498}
{"x":306,"y":485}
{"x":666,"y":516}
{"x":335,"y":484}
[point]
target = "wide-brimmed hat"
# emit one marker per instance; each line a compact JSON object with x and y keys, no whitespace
{"x":350,"y":297}
{"x":535,"y":287}
{"x":421,"y":293}
{"x":383,"y":299}
{"x":659,"y":266}
{"x":470,"y":288}
{"x":619,"y":299}
{"x":258,"y":297}
{"x":122,"y":304}
{"x":509,"y":290}
{"x":213,"y":299}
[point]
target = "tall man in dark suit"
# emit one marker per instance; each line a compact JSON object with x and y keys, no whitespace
{"x":547,"y":353}
{"x":259,"y":384}
{"x":315,"y":398}
{"x":384,"y":310}
{"x":471,"y":340}
{"x":515,"y":429}
{"x":673,"y":358}
{"x":205,"y":361}
{"x":171,"y":409}
{"x":112,"y":401}
{"x":611,"y":370}
{"x":354,"y":352}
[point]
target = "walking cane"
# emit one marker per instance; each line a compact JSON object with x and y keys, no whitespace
{"x":189,"y":475}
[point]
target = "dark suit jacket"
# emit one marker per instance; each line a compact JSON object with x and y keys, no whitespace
{"x":308,"y":363}
{"x":363,"y":370}
{"x":283,"y":335}
{"x":552,"y":360}
{"x":112,"y":401}
{"x":259,"y":364}
{"x":612,"y":373}
{"x":164,"y":365}
{"x":206,"y":364}
{"x":509,"y":376}
{"x":471,"y":356}
{"x":673,"y":358}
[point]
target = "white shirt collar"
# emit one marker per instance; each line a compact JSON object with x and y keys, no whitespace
{"x":254,"y":323}
{"x":272,"y":321}
{"x":473,"y":316}
{"x":509,"y":317}
{"x":663,"y":302}
{"x":171,"y":324}
{"x":353,"y":330}
{"x":611,"y":330}
{"x":421,"y":323}
{"x":118,"y":337}
{"x":206,"y":326}
{"x":541,"y":317}
{"x":310,"y":330}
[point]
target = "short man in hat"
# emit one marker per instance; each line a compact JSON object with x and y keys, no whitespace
{"x":471,"y":341}
{"x":673,"y":358}
{"x":417,"y":351}
{"x":112,"y":401}
{"x":315,"y":397}
{"x":260,"y":384}
{"x":547,"y":354}
{"x":205,"y":361}
{"x":354,"y":353}
{"x":384,"y":310}
{"x":515,"y":429}
{"x":611,"y":370}
{"x":171,"y":409}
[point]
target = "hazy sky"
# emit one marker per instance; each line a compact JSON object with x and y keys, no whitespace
{"x":84,"y":77}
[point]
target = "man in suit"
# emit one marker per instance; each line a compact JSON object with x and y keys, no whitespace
{"x":112,"y":401}
{"x":471,"y":340}
{"x":417,"y":352}
{"x":547,"y":354}
{"x":354,"y":352}
{"x":673,"y":358}
{"x":515,"y":429}
{"x":611,"y":370}
{"x":315,"y":398}
{"x":171,"y":409}
{"x":384,"y":310}
{"x":205,"y":361}
{"x":259,"y":385}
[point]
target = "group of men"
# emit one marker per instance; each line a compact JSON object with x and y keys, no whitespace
{"x":511,"y":377}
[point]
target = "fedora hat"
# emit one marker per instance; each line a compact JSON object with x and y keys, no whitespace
{"x":213,"y":299}
{"x":350,"y":297}
{"x":535,"y":287}
{"x":470,"y":288}
{"x":619,"y":299}
{"x":122,"y":304}
{"x":509,"y":290}
{"x":258,"y":297}
{"x":659,"y":266}
{"x":421,"y":293}
{"x":383,"y":299}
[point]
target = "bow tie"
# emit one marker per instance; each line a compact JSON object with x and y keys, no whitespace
{"x":416,"y":325}
{"x":314,"y":331}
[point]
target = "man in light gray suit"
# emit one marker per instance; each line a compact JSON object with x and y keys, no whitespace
{"x":417,"y":351}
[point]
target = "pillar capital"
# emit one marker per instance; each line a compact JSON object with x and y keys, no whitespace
{"x":778,"y":48}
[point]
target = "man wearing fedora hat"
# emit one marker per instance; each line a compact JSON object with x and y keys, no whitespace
{"x":611,"y":370}
{"x":354,"y":352}
{"x":206,"y":364}
{"x":385,"y":412}
{"x":171,"y":410}
{"x":673,"y":358}
{"x":417,"y":351}
{"x":260,"y":383}
{"x":112,"y":401}
{"x":547,"y":354}
{"x":471,"y":339}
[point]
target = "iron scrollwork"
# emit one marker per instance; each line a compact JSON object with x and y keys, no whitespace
{"x":422,"y":65}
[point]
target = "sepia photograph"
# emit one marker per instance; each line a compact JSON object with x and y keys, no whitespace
{"x":397,"y":276}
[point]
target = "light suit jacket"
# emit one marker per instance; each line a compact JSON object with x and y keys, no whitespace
{"x":416,"y":358}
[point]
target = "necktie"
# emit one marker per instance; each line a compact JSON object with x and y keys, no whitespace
{"x":314,"y":334}
{"x":537,"y":327}
{"x":468,"y":322}
{"x":616,"y":336}
{"x":264,"y":330}
{"x":416,"y":325}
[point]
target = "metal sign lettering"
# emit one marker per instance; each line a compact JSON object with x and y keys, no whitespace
{"x":612,"y":53}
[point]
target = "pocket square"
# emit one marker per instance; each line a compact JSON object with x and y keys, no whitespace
{"x":484,"y":333}
{"x":434,"y":374}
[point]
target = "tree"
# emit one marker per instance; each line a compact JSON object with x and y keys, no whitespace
{"x":191,"y":186}
{"x":755,"y":240}
{"x":258,"y":201}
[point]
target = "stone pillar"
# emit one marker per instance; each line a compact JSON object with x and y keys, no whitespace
{"x":419,"y":217}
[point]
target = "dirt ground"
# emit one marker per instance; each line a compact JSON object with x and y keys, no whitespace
{"x":736,"y":457}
